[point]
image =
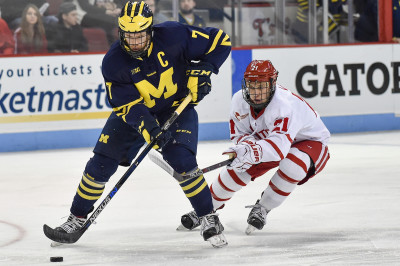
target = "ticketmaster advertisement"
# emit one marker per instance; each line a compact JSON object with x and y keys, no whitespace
{"x":60,"y":102}
{"x":50,"y":93}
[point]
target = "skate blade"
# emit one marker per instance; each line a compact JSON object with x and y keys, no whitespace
{"x":181,"y":228}
{"x":55,"y":244}
{"x":250,"y":229}
{"x":218,"y":241}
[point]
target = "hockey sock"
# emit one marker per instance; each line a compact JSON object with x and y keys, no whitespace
{"x":88,"y":192}
{"x":228,"y":182}
{"x":98,"y":171}
{"x":198,"y":193}
{"x":291,"y":171}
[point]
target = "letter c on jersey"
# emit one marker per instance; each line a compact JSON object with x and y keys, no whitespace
{"x":163,"y":64}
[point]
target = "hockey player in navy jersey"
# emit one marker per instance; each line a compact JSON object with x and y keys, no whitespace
{"x":147,"y":74}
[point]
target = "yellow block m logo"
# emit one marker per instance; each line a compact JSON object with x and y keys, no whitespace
{"x":104,"y":138}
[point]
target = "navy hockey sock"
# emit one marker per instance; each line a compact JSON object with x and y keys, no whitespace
{"x":98,"y":171}
{"x":198,"y":193}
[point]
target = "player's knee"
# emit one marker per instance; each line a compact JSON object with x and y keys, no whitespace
{"x":101,"y":167}
{"x":296,"y":164}
{"x":180,"y":158}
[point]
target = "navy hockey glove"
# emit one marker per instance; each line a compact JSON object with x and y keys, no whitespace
{"x":199,"y":82}
{"x":150,"y":129}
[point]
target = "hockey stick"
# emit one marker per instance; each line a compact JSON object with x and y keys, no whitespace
{"x":70,"y":238}
{"x":156,"y":158}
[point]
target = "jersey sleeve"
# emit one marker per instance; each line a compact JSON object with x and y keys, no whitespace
{"x":124,"y":98}
{"x":209,"y":44}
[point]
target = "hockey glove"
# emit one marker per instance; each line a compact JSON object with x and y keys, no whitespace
{"x":247,"y":154}
{"x":150,"y":129}
{"x":199,"y":82}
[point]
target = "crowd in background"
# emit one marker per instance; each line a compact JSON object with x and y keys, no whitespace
{"x":73,"y":26}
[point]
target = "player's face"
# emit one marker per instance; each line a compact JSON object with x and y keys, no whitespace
{"x":137,"y":40}
{"x":259,"y":91}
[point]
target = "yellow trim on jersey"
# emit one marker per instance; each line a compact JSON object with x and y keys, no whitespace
{"x":108,"y":85}
{"x":193,"y":183}
{"x":150,"y":49}
{"x":215,"y":42}
{"x":93,"y":191}
{"x":300,"y":14}
{"x":86,"y":196}
{"x":93,"y":184}
{"x":197,"y":191}
{"x":331,"y":27}
{"x":124,"y":109}
{"x":225,"y":41}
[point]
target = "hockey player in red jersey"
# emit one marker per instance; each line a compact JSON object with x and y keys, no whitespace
{"x":270,"y":127}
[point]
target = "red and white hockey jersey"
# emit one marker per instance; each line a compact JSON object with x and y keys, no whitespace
{"x":286,"y":120}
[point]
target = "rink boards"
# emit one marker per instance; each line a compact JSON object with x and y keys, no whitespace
{"x":55,"y":102}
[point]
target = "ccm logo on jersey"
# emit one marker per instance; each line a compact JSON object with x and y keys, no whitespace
{"x":239,"y":117}
{"x":196,"y":72}
{"x":135,"y":70}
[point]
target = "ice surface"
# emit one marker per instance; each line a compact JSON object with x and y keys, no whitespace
{"x":347,"y":215}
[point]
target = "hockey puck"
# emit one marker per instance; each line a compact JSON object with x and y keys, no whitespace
{"x":56,"y":259}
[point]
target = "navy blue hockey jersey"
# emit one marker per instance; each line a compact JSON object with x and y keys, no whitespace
{"x":153,"y":84}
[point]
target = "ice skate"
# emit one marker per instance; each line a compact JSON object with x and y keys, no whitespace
{"x":189,"y":221}
{"x":211,"y":230}
{"x":257,"y":218}
{"x":72,"y":224}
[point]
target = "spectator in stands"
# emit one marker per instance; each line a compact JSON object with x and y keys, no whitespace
{"x":30,"y":37}
{"x":157,"y":16}
{"x":187,"y":16}
{"x":396,"y":21}
{"x":6,"y":39}
{"x":366,"y":29}
{"x":101,"y":14}
{"x":67,"y":35}
{"x":12,"y":10}
{"x":335,"y":19}
{"x":110,"y":7}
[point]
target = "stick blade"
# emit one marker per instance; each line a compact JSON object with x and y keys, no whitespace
{"x":156,"y":158}
{"x":61,"y":237}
